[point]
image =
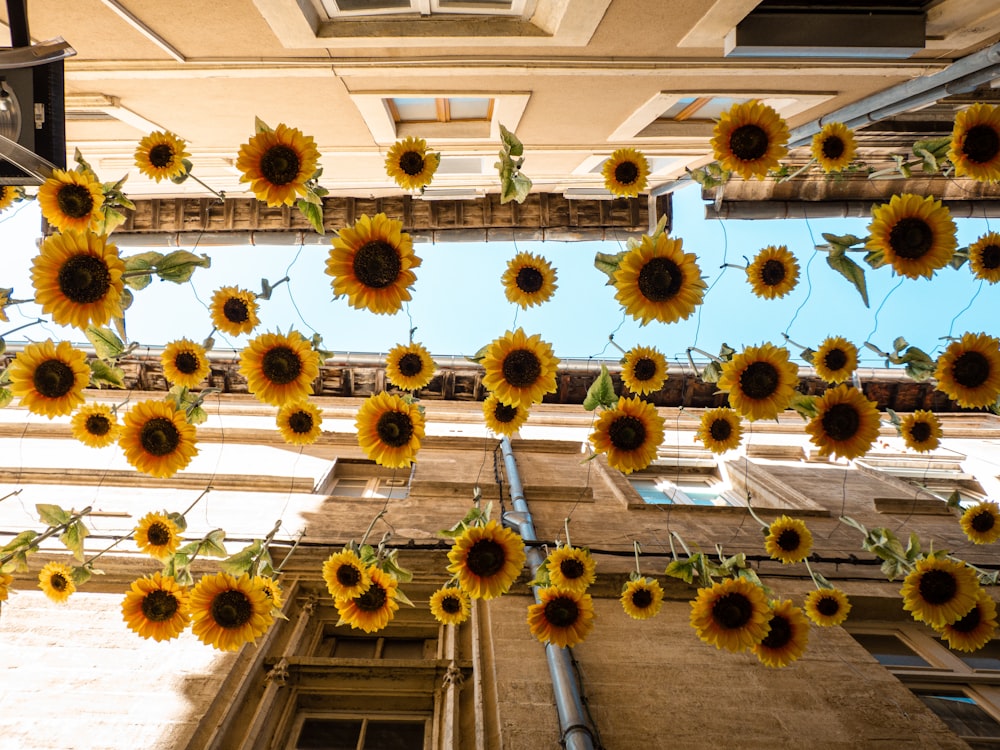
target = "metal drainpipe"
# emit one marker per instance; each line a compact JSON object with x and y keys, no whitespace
{"x":573,"y":724}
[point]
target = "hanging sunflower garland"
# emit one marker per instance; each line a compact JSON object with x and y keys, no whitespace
{"x":975,"y":143}
{"x":161,"y":156}
{"x":912,"y":233}
{"x":981,"y":522}
{"x":732,"y":614}
{"x":56,"y":580}
{"x":629,"y":434}
{"x":9,"y":195}
{"x":570,"y":568}
{"x":346,"y":576}
{"x":185,"y":363}
{"x":625,"y":173}
{"x":158,"y":534}
{"x":409,"y":367}
{"x":501,"y":418}
{"x":528,"y":280}
{"x":968,"y":371}
{"x":156,"y":607}
{"x":750,"y":139}
{"x":788,"y":540}
{"x":95,"y":425}
{"x":519,"y":369}
{"x":228,"y":611}
{"x":485,"y":557}
{"x":787,"y":637}
{"x":939,"y":591}
{"x":773,"y":272}
{"x":641,"y":597}
{"x":760,"y":381}
{"x":644,"y":370}
{"x":71,"y":200}
{"x":834,"y":147}
{"x":279,"y":368}
{"x":375,"y":608}
{"x":974,"y":630}
{"x":846,"y":423}
{"x":300,"y":423}
{"x":390,"y":429}
{"x":921,"y":430}
{"x":450,"y":605}
{"x":157,"y":438}
{"x":827,"y":607}
{"x":835,"y":360}
{"x":410,"y":164}
{"x":514,"y":184}
{"x":49,"y":377}
{"x":561,"y":617}
{"x":234,"y":310}
{"x":984,"y":257}
{"x":720,"y":429}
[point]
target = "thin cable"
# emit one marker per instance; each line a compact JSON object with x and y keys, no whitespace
{"x":963,"y":310}
{"x":610,"y":338}
{"x":885,"y":299}
{"x":724,"y":267}
{"x":809,"y":285}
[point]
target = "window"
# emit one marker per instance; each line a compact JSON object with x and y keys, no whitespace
{"x":335,"y":644}
{"x":364,"y":479}
{"x":699,"y":108}
{"x":373,"y":732}
{"x":340,"y":8}
{"x":684,"y":478}
{"x":929,"y":478}
{"x":440,"y":109}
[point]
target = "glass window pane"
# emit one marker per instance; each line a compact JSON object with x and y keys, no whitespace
{"x":350,"y":487}
{"x":701,"y":494}
{"x":394,"y":735}
{"x":468,"y":108}
{"x":988,"y":657}
{"x":714,"y":108}
{"x":372,"y":4}
{"x":329,"y":734}
{"x":648,"y":491}
{"x":422,"y":109}
{"x":889,"y":650}
{"x":475,"y":4}
{"x":960,"y":712}
{"x":674,"y":109}
{"x":354,"y":648}
{"x":403,"y":648}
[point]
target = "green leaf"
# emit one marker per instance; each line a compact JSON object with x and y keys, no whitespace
{"x":711,"y":372}
{"x":601,"y":392}
{"x":261,"y":127}
{"x":959,"y":257}
{"x":196,"y":415}
{"x":403,"y":598}
{"x":6,"y":396}
{"x":16,"y":564}
{"x":807,"y":356}
{"x":106,"y":343}
{"x":898,"y":344}
{"x":684,"y":569}
{"x":73,"y":538}
{"x":212,"y":545}
{"x":188,"y":166}
{"x":511,"y":143}
{"x":608,"y":264}
{"x":81,"y":575}
{"x":850,"y":270}
{"x":24,"y":539}
{"x":480,"y":355}
{"x":52,"y":515}
{"x":804,"y":405}
{"x":101,"y":374}
{"x":240,"y":563}
{"x":313,"y":211}
{"x":954,"y":499}
{"x":919,"y":365}
{"x":843,"y":240}
{"x":179,"y":266}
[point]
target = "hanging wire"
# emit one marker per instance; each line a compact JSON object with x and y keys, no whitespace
{"x":288,"y":287}
{"x":881,"y":305}
{"x":809,"y":286}
{"x":951,"y":327}
{"x":724,"y":267}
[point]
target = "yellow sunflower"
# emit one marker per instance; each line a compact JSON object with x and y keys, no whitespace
{"x":571,"y":568}
{"x":733,"y":614}
{"x":78,"y":279}
{"x":788,"y":540}
{"x":184,"y":363}
{"x":56,"y":580}
{"x":846,"y":424}
{"x":629,"y":434}
{"x":390,"y":429}
{"x":834,"y":147}
{"x":157,"y":438}
{"x":300,"y":423}
{"x":277,"y":164}
{"x":486,"y":560}
{"x":450,"y":606}
{"x":836,"y":359}
{"x":921,"y":430}
{"x":827,"y":607}
{"x":157,"y":535}
{"x":984,"y":257}
{"x":234,"y":311}
{"x":787,"y":639}
{"x":644,"y":370}
{"x":409,"y":366}
{"x":659,"y":281}
{"x":529,"y":280}
{"x":773,"y":273}
{"x":410,"y":164}
{"x":625,"y":173}
{"x":720,"y":430}
{"x":156,"y":607}
{"x":95,"y":425}
{"x":8,"y":194}
{"x":228,"y":611}
{"x":975,"y":143}
{"x":345,"y":575}
{"x":561,"y":617}
{"x":969,"y":370}
{"x":372,"y":610}
{"x":160,"y":156}
{"x":372,"y":264}
{"x":915,"y":234}
{"x":49,"y":377}
{"x":71,"y":200}
{"x":642,"y":599}
{"x":750,"y":139}
{"x":760,"y":381}
{"x":976,"y":629}
{"x":981,"y":522}
{"x":279,"y":368}
{"x":5,"y":582}
{"x":939,"y":591}
{"x":271,"y":589}
{"x":520,"y":369}
{"x":502,"y":418}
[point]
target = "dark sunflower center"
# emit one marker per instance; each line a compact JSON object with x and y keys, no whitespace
{"x":529,"y":280}
{"x":451,"y":604}
{"x":773,"y":272}
{"x":571,"y":568}
{"x":748,"y":142}
{"x":159,"y":606}
{"x":626,"y":173}
{"x":835,"y":359}
{"x":721,"y":429}
{"x":159,"y":436}
{"x":989,"y":257}
{"x":301,"y":422}
{"x":75,"y":201}
{"x":911,"y":238}
{"x":377,"y":264}
{"x":373,"y":599}
{"x":937,"y":586}
{"x":158,"y":534}
{"x":627,"y":433}
{"x":828,"y":606}
{"x":983,"y":521}
{"x":280,"y":165}
{"x":53,"y":378}
{"x":503,"y":413}
{"x":410,"y":364}
{"x":231,"y":609}
{"x":642,"y":598}
{"x":236,"y":310}
{"x":644,"y":369}
{"x":561,"y":611}
{"x":395,"y":428}
{"x":97,"y":424}
{"x":281,"y":365}
{"x":486,"y":558}
{"x":920,"y":431}
{"x":412,"y":163}
{"x":759,"y":380}
{"x":968,"y":623}
{"x":841,"y":421}
{"x":833,"y":147}
{"x":660,"y":279}
{"x":348,"y":576}
{"x":58,"y":582}
{"x":971,"y":369}
{"x":521,"y":368}
{"x":732,"y":611}
{"x":186,"y":362}
{"x":982,"y":143}
{"x":161,"y":155}
{"x":788,"y":540}
{"x":779,"y":635}
{"x":84,"y":279}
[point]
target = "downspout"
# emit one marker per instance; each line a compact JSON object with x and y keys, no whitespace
{"x":573,"y":727}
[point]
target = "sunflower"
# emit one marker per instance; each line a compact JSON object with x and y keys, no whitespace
{"x":520,"y":369}
{"x":56,"y":580}
{"x":529,"y":280}
{"x":642,"y":599}
{"x":975,"y":143}
{"x":836,"y":359}
{"x":229,"y":611}
{"x":345,"y":575}
{"x":49,"y":377}
{"x":8,"y":194}
{"x":501,"y":418}
{"x":969,"y":370}
{"x":834,"y":147}
{"x":390,"y":429}
{"x":733,"y":614}
{"x":788,"y":540}
{"x":644,"y":370}
{"x":625,"y":173}
{"x":372,"y":264}
{"x":71,"y":200}
{"x":827,"y":607}
{"x":300,"y":423}
{"x":78,"y":279}
{"x":271,"y":589}
{"x":975,"y":629}
{"x":5,"y":582}
{"x":409,"y":366}
{"x":760,"y":381}
{"x":846,"y":423}
{"x":279,"y":368}
{"x":773,"y":273}
{"x":561,"y":617}
{"x":157,"y":535}
{"x":921,"y":430}
{"x":160,"y":156}
{"x":410,"y":165}
{"x":984,"y":257}
{"x":156,"y":607}
{"x":629,"y":434}
{"x":95,"y":425}
{"x":659,"y":281}
{"x":234,"y":311}
{"x":720,"y":429}
{"x":981,"y":522}
{"x":157,"y":438}
{"x":486,"y":560}
{"x":277,"y":164}
{"x":184,"y":363}
{"x":571,"y":568}
{"x":372,"y":610}
{"x":450,"y":606}
{"x":787,"y":639}
{"x":915,"y":234}
{"x":750,"y":139}
{"x":939,"y":591}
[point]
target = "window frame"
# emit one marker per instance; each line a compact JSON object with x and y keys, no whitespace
{"x":396,"y":483}
{"x":518,"y":8}
{"x":301,"y":716}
